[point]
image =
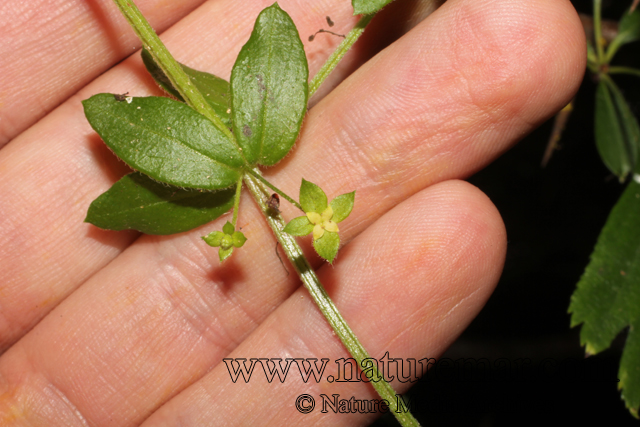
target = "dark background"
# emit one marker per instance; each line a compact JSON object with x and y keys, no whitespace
{"x":553,"y":217}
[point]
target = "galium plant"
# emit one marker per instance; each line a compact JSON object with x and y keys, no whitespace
{"x":194,"y":155}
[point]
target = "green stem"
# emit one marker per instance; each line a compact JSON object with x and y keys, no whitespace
{"x":236,"y":202}
{"x":597,"y":28}
{"x":169,"y":65}
{"x":257,"y":175}
{"x":624,"y":70}
{"x":324,"y":302}
{"x":337,"y":55}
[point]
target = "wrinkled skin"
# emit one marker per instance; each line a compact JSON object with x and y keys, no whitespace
{"x":117,"y":329}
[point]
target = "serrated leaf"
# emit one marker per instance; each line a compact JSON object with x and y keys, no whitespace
{"x":216,"y":91}
{"x":299,"y":226}
{"x":365,"y":7}
{"x":607,"y":298}
{"x":136,"y":202}
{"x":166,"y":140}
{"x":327,"y":246}
{"x":615,"y":145}
{"x":312,"y":198}
{"x":342,"y":206}
{"x":269,"y":88}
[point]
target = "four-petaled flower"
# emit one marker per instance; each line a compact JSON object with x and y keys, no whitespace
{"x":321,"y":218}
{"x":226,"y":239}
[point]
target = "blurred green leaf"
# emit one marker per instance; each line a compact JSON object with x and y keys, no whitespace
{"x":215,"y":90}
{"x":628,"y":31}
{"x":365,"y":7}
{"x":166,"y":140}
{"x":607,"y":298}
{"x":269,"y":88}
{"x":137,"y":202}
{"x":616,"y":129}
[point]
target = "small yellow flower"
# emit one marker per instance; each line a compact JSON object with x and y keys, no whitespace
{"x":322,"y":222}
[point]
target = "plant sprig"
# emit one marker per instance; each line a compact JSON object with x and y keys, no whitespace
{"x":191,"y":148}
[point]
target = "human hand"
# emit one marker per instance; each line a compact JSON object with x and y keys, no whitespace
{"x":113,"y":328}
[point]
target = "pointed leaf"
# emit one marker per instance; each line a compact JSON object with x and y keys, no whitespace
{"x":214,"y":238}
{"x":611,"y":140}
{"x":327,"y":246}
{"x":629,"y":27}
{"x":225,"y":253}
{"x":166,"y":140}
{"x":312,"y":198}
{"x":215,"y":90}
{"x":342,"y":206}
{"x":299,"y":226}
{"x":228,"y":228}
{"x":137,"y":202}
{"x":629,"y":124}
{"x":269,"y":88}
{"x":239,"y":239}
{"x":365,"y":7}
{"x":607,"y":298}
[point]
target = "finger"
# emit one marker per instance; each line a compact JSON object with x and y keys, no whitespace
{"x":51,"y":49}
{"x":52,"y":172}
{"x":408,"y":286}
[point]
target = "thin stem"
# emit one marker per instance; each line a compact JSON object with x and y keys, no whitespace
{"x":597,"y":28}
{"x":325,"y":304}
{"x":337,"y":55}
{"x":169,"y":65}
{"x":236,"y":202}
{"x":274,"y":188}
{"x":624,"y":70}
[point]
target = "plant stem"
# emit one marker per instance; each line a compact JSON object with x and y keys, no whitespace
{"x":624,"y":70}
{"x":597,"y":29}
{"x":169,"y":65}
{"x":236,"y":202}
{"x":257,"y":175}
{"x":337,"y":55}
{"x":324,"y":302}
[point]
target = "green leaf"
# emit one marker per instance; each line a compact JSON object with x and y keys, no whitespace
{"x":312,"y":198}
{"x":225,"y":253}
{"x":607,"y":298}
{"x":630,"y":127}
{"x":629,"y":27}
{"x":139,"y":203}
{"x":166,"y":140}
{"x":214,"y":238}
{"x":342,"y":206}
{"x":216,"y":91}
{"x":269,"y":88}
{"x":228,"y":228}
{"x":239,"y":239}
{"x":615,"y":138}
{"x":365,"y":7}
{"x":299,"y":226}
{"x":327,"y":246}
